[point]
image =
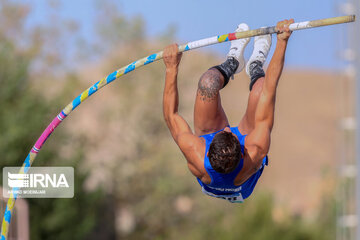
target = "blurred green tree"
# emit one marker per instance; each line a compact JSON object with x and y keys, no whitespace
{"x":24,"y":113}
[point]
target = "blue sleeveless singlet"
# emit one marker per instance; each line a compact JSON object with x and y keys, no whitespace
{"x":222,"y":185}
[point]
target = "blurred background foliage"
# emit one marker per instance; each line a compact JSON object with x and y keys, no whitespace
{"x":131,"y":181}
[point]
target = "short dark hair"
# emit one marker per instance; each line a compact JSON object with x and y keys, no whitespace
{"x":224,"y":152}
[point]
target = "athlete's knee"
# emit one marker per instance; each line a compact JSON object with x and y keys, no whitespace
{"x":227,"y":69}
{"x":210,"y":83}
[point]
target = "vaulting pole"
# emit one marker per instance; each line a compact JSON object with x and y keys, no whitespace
{"x":139,"y":63}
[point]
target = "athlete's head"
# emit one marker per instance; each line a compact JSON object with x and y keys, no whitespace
{"x":224,"y":152}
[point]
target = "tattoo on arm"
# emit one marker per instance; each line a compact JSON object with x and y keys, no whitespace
{"x":210,"y":85}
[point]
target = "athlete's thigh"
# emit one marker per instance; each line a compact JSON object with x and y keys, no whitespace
{"x":209,"y":116}
{"x":247,"y":123}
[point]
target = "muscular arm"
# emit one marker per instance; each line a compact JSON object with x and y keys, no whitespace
{"x":265,"y":109}
{"x":258,"y":141}
{"x":180,"y":130}
{"x":176,"y":124}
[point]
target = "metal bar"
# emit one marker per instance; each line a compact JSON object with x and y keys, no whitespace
{"x":134,"y":65}
{"x":264,"y":31}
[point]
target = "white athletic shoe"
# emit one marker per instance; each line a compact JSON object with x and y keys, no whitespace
{"x":262,"y":45}
{"x":237,"y":47}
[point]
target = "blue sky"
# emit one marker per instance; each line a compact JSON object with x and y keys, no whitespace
{"x":196,"y":19}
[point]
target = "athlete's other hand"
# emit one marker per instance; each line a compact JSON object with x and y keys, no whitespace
{"x":283,"y":29}
{"x":172,"y":56}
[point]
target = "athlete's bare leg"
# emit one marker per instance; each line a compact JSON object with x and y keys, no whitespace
{"x":254,"y":69}
{"x":209,"y":116}
{"x":247,"y":123}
